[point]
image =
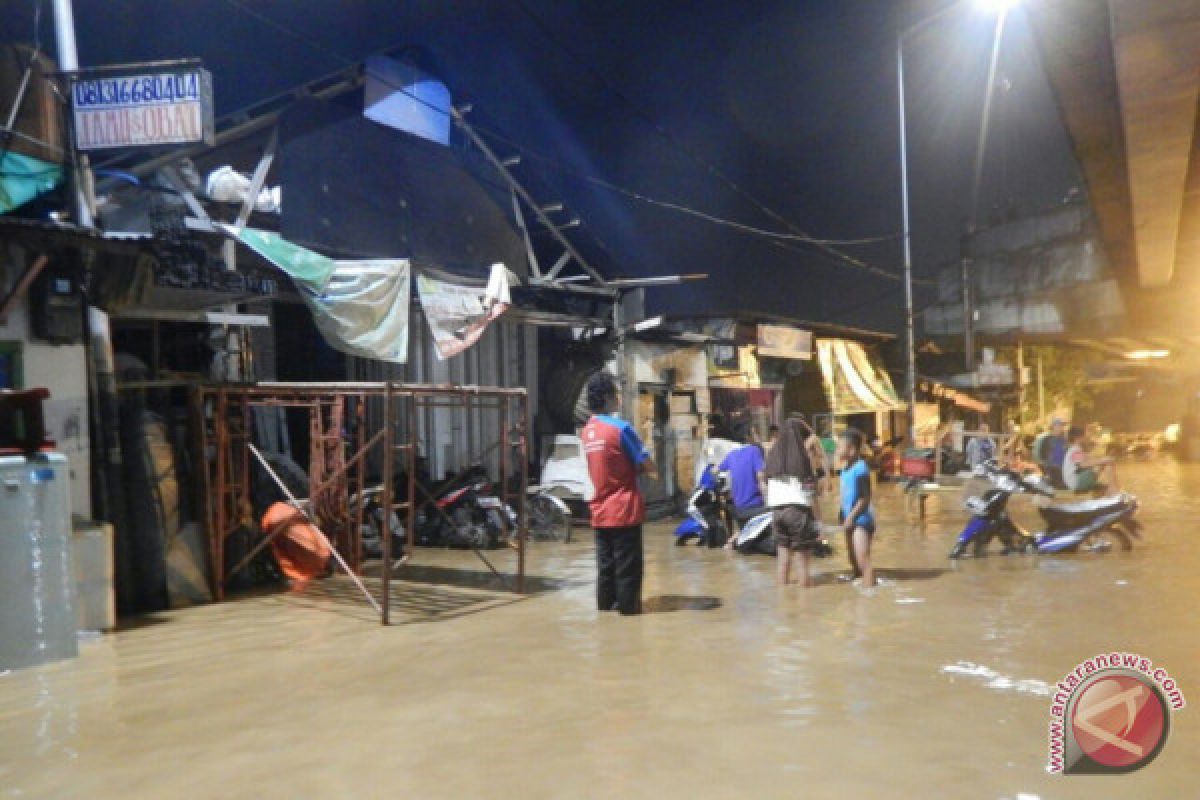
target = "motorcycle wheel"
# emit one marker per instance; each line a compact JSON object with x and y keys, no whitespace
{"x":717,"y":534}
{"x":547,"y":522}
{"x":1106,"y":540}
{"x":473,"y":536}
{"x":765,"y":545}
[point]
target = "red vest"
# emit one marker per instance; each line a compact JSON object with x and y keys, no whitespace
{"x":618,"y":502}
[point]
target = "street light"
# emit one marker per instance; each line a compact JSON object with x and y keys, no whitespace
{"x":1000,"y":7}
{"x":1147,"y":355}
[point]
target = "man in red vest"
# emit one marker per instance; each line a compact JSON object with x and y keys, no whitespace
{"x":615,"y":458}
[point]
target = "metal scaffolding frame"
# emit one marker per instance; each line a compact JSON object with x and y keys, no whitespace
{"x":223,"y":421}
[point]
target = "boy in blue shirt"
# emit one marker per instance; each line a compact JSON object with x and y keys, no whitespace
{"x":856,"y":516}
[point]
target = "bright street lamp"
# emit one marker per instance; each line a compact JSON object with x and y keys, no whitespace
{"x":996,"y":6}
{"x":1001,"y":7}
{"x":1147,"y":355}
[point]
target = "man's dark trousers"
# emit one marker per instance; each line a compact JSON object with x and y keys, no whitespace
{"x":619,"y":569}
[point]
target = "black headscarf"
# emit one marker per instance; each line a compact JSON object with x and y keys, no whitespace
{"x":789,"y":457}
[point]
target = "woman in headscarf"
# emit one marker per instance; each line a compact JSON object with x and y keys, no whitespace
{"x":792,"y":496}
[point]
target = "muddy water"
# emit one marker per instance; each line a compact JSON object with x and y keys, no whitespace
{"x":932,"y":686}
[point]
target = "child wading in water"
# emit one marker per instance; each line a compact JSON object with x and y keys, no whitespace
{"x":856,"y":517}
{"x":791,"y":495}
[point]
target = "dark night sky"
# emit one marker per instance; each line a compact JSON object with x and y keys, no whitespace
{"x":794,"y":102}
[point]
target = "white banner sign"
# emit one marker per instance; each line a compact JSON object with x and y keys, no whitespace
{"x":154,"y":108}
{"x":778,"y":341}
{"x":364,"y":309}
{"x":457,"y":314}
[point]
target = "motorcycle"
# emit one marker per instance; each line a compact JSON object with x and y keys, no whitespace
{"x":372,"y":525}
{"x":706,"y":511}
{"x":464,"y":516}
{"x":1097,"y":525}
{"x":757,"y":537}
{"x":472,"y":516}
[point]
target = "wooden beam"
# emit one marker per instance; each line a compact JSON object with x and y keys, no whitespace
{"x":22,"y":285}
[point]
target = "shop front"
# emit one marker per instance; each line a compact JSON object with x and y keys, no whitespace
{"x":673,"y":401}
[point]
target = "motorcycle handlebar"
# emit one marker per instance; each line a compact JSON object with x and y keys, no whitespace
{"x":995,"y":471}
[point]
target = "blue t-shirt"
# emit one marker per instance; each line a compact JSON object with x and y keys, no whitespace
{"x":743,"y":466}
{"x":856,"y":484}
{"x":1052,"y":451}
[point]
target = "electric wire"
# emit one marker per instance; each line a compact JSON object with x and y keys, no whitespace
{"x":679,"y":146}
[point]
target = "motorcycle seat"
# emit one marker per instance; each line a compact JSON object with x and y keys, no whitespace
{"x":1060,"y":513}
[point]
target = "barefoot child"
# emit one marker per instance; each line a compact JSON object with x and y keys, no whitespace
{"x":790,"y":495}
{"x":856,"y":517}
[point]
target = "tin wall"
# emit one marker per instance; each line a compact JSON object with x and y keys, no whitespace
{"x":453,"y":438}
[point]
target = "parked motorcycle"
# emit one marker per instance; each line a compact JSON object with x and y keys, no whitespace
{"x":757,"y":537}
{"x":473,"y":516}
{"x":1097,"y":525}
{"x":706,"y":511}
{"x":372,"y":526}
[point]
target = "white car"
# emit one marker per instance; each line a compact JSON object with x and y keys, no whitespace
{"x":565,"y":473}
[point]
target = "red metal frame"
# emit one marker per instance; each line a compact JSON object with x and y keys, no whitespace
{"x":223,"y":419}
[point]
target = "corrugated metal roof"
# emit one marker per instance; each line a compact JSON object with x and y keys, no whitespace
{"x":51,"y":230}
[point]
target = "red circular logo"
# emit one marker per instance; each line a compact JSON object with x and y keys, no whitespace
{"x":1119,"y":720}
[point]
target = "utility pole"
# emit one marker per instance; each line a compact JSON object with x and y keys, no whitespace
{"x":968,"y":308}
{"x":68,"y":62}
{"x":910,"y":344}
{"x":1020,"y":384}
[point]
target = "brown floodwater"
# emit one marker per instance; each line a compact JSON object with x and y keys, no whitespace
{"x":935,"y":685}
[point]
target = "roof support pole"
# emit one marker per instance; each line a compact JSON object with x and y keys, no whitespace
{"x":533,"y":261}
{"x":519,"y":190}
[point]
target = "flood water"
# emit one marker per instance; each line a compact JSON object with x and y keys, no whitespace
{"x":935,"y":685}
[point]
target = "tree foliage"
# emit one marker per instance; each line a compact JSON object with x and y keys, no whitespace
{"x":1064,"y":374}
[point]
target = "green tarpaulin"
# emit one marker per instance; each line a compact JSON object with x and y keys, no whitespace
{"x":311,"y":269}
{"x":23,"y":178}
{"x":360,"y":307}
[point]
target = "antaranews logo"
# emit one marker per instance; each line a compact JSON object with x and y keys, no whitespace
{"x":1111,"y":714}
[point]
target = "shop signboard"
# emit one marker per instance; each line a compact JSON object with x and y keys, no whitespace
{"x":780,"y":341}
{"x":142,"y":105}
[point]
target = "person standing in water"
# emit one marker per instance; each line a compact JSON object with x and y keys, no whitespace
{"x":615,"y":457}
{"x":856,"y":516}
{"x":791,"y":493}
